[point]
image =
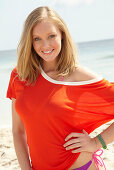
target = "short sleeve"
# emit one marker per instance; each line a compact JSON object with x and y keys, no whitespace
{"x":11,"y":87}
{"x":95,"y":104}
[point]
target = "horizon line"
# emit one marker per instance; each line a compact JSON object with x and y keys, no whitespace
{"x":78,"y":42}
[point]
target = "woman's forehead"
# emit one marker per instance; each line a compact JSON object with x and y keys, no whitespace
{"x":45,"y":26}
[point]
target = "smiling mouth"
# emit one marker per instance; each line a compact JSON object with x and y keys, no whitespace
{"x":47,"y":52}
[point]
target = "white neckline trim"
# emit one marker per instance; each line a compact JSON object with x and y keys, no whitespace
{"x":68,"y":83}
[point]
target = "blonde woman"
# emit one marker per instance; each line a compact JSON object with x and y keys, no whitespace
{"x":56,"y":103}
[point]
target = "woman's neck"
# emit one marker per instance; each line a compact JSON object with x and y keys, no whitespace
{"x":48,"y":66}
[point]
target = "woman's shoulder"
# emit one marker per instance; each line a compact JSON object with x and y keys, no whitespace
{"x":15,"y":77}
{"x":14,"y":71}
{"x":82,"y":73}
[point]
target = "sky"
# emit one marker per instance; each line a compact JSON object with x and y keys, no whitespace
{"x":87,"y":20}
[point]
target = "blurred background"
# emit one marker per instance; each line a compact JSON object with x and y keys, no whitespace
{"x":90,"y":23}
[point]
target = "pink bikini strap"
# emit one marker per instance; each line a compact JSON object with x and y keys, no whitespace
{"x":98,"y":162}
{"x":62,"y":78}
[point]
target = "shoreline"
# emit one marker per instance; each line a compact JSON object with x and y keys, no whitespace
{"x":9,"y":161}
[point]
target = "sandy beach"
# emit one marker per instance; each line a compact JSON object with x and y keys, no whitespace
{"x":8,"y":160}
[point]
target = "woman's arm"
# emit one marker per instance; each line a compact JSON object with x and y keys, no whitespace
{"x":107,"y":135}
{"x":19,"y":139}
{"x":83,"y":142}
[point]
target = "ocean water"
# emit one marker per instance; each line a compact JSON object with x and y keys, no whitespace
{"x":98,"y":56}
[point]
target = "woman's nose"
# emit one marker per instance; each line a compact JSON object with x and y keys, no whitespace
{"x":45,"y":44}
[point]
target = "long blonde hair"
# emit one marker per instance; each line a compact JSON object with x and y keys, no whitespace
{"x":28,"y":60}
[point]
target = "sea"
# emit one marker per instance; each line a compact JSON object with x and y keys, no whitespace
{"x":98,"y":56}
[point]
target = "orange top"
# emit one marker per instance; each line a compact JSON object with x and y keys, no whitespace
{"x":52,"y":109}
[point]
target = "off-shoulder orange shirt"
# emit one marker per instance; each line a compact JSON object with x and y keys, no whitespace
{"x":50,"y":110}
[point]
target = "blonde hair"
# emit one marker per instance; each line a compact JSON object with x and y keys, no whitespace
{"x":28,"y":60}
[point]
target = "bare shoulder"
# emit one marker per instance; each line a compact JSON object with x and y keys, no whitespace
{"x":82,"y":73}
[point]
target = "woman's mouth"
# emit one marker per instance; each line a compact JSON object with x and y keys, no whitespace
{"x":47,"y":52}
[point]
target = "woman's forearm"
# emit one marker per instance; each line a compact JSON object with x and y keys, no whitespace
{"x":107,"y":135}
{"x":21,"y":148}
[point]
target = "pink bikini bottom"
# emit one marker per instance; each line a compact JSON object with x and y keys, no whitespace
{"x":98,"y":162}
{"x":85,"y":167}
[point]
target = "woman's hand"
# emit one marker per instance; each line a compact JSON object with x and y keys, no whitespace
{"x":81,"y":142}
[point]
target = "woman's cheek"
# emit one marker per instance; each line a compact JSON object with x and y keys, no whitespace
{"x":36,"y":48}
{"x":57,"y":44}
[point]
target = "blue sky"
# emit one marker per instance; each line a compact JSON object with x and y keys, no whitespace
{"x":86,"y":19}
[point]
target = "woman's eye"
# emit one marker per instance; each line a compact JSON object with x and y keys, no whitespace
{"x":36,"y":39}
{"x":51,"y":36}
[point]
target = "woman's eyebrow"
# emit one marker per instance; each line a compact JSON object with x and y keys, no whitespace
{"x":47,"y":34}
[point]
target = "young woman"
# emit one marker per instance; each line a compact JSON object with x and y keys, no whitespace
{"x":56,"y":103}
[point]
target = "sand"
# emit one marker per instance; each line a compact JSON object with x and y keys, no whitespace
{"x":8,"y":160}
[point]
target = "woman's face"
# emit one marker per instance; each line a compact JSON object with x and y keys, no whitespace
{"x":47,"y":40}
